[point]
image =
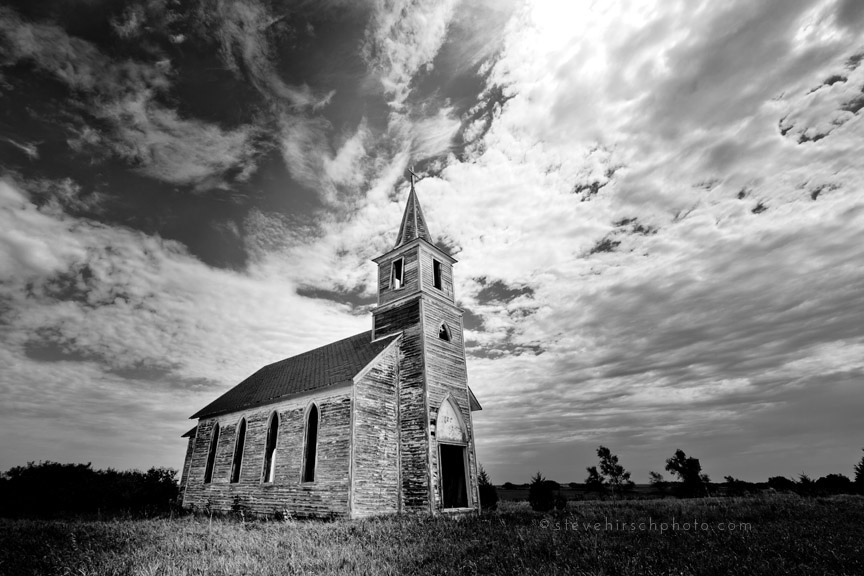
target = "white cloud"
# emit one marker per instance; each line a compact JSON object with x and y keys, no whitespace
{"x":709,"y":313}
{"x":402,"y":39}
{"x":131,"y":310}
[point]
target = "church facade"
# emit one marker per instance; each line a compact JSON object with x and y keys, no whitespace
{"x":377,"y":423}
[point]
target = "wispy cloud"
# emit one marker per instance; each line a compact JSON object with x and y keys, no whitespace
{"x":121,"y":92}
{"x":247,"y":31}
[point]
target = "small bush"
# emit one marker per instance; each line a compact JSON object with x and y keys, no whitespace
{"x":541,"y":494}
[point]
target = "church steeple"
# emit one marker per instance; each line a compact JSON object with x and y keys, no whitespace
{"x":413,"y":223}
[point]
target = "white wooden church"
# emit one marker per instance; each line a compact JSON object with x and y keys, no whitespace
{"x":377,"y":423}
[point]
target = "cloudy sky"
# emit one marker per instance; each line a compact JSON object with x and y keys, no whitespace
{"x":656,"y":207}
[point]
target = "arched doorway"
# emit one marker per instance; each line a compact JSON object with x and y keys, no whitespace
{"x":452,"y":456}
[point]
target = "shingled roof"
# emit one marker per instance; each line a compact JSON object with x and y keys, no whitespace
{"x":330,"y":365}
{"x":413,"y":223}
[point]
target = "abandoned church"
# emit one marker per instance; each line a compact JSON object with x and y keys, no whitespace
{"x":377,"y":423}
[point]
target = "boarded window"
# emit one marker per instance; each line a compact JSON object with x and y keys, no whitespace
{"x":311,"y":448}
{"x":211,"y":454}
{"x":270,"y":449}
{"x":238,"y":451}
{"x":444,"y":332}
{"x":397,"y":278}
{"x":436,"y":275}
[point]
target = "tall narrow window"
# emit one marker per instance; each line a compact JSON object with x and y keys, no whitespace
{"x":270,"y":449}
{"x":436,"y":275}
{"x":397,"y":278}
{"x":239,"y":442}
{"x":311,"y":445}
{"x":211,"y":454}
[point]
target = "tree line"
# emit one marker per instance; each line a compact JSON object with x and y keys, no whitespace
{"x":610,"y":478}
{"x":51,"y":489}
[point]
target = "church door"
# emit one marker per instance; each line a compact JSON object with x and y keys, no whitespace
{"x":453,"y":486}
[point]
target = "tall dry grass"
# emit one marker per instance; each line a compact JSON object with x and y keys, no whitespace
{"x":787,"y":535}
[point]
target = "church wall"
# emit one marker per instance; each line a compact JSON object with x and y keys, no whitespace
{"x":187,"y":462}
{"x":446,"y":373}
{"x":375,"y":466}
{"x":413,"y":431}
{"x":326,"y":496}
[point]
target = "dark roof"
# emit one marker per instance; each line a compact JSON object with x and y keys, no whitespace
{"x":191,"y":432}
{"x":333,"y":364}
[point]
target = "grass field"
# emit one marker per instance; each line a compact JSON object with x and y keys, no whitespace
{"x":769,"y":535}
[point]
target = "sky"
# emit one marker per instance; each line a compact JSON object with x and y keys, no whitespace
{"x":656,"y":208}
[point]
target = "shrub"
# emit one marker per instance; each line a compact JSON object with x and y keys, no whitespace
{"x":781,"y":484}
{"x":859,"y":475}
{"x":54,"y":489}
{"x":834,"y":484}
{"x":735,"y":487}
{"x":541,"y":493}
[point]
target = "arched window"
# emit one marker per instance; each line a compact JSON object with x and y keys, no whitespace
{"x":239,"y":442}
{"x":270,"y":449}
{"x":444,"y":332}
{"x":309,"y":453}
{"x":211,"y":454}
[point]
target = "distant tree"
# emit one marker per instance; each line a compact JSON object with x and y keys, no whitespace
{"x":574,"y":485}
{"x":488,"y":492}
{"x":594,"y":481}
{"x":781,"y":484}
{"x":508,"y":486}
{"x":833,"y":484}
{"x":541,"y":494}
{"x":656,"y":480}
{"x":859,"y":475}
{"x":613,"y":473}
{"x":691,"y":480}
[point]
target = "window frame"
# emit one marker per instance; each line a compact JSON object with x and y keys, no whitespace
{"x":239,"y":449}
{"x":308,"y":476}
{"x":268,"y":471}
{"x":445,"y":329}
{"x":210,"y":464}
{"x":401,"y":262}
{"x":437,"y":274}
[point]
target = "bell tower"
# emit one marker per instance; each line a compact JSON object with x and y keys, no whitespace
{"x":416,"y":298}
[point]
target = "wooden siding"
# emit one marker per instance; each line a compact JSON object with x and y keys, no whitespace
{"x":327,"y":496}
{"x":375,"y":460}
{"x":413,"y":415}
{"x":427,"y":274}
{"x":446,"y":373}
{"x":410,"y":271}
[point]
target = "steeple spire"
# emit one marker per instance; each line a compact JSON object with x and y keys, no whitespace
{"x":413,"y":223}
